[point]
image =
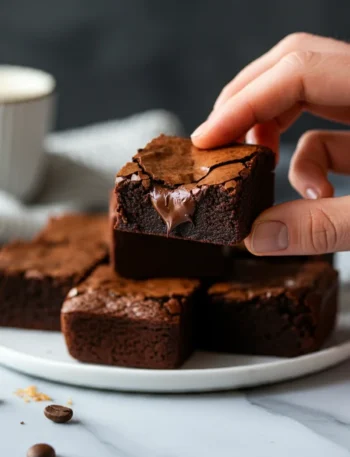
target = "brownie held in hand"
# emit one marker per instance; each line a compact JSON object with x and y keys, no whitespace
{"x":139,"y":256}
{"x":115,"y":321}
{"x":278,"y":307}
{"x":174,"y":189}
{"x":35,"y":276}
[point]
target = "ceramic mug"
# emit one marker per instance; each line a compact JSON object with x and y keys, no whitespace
{"x":26,"y":114}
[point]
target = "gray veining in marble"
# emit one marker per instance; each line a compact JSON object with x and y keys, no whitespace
{"x":309,"y":417}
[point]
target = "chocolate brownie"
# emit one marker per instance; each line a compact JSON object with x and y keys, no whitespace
{"x":174,"y":189}
{"x":75,"y":227}
{"x":114,"y":321}
{"x":138,"y":256}
{"x":36,"y":276}
{"x":277,"y":307}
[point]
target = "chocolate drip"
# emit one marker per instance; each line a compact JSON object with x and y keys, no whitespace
{"x":175,"y":207}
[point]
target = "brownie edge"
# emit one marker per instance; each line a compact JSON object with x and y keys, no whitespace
{"x":143,"y":324}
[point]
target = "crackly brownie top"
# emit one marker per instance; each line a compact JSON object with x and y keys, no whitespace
{"x":105,"y":293}
{"x":69,"y":227}
{"x":174,"y":171}
{"x":175,"y":161}
{"x":268,"y":277}
{"x":40,"y":259}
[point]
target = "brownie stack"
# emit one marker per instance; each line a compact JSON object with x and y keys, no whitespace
{"x":178,"y":278}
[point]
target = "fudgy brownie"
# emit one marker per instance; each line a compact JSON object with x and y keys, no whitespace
{"x":174,"y":189}
{"x":36,"y":276}
{"x":75,"y":227}
{"x":138,"y":256}
{"x":115,"y":321}
{"x":277,"y":307}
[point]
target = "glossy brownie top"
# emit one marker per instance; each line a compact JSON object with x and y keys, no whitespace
{"x":105,"y":293}
{"x":40,"y":259}
{"x":175,"y":161}
{"x":75,"y":227}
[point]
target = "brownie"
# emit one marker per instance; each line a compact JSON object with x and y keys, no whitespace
{"x":35,"y":276}
{"x":139,"y":256}
{"x":174,"y":189}
{"x":75,"y":227}
{"x":115,"y":321}
{"x":279,"y":307}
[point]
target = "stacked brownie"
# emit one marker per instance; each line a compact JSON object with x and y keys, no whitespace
{"x":178,"y":278}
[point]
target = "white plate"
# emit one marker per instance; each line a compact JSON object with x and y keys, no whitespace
{"x":43,"y":354}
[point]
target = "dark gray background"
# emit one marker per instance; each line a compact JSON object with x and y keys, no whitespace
{"x":116,"y":57}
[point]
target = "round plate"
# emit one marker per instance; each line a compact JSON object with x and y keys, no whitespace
{"x":44,"y":354}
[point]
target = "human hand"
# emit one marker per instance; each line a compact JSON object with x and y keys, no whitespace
{"x":301,"y":73}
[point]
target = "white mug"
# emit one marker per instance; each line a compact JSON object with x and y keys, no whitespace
{"x":26,"y":115}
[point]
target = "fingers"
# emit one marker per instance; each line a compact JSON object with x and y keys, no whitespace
{"x":302,"y":227}
{"x":267,"y":134}
{"x":315,"y":78}
{"x":294,"y":42}
{"x":317,"y":153}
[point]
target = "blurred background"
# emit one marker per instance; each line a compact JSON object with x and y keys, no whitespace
{"x":113,"y":58}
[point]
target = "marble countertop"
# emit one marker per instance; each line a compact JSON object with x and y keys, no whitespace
{"x":309,"y":417}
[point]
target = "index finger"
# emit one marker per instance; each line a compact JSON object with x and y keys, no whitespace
{"x":293,"y":42}
{"x":308,"y":77}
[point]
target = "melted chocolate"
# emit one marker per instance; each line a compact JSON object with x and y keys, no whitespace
{"x":174,"y":206}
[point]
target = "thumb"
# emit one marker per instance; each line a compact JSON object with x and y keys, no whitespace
{"x":302,"y":227}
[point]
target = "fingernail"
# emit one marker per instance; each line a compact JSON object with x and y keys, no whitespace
{"x":199,"y":130}
{"x":270,"y":236}
{"x":312,"y":194}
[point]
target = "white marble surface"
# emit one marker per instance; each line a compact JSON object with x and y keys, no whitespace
{"x":309,"y":417}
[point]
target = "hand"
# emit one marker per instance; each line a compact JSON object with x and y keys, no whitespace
{"x":301,"y":73}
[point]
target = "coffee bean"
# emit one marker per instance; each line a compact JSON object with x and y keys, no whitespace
{"x":41,"y":450}
{"x":58,"y":414}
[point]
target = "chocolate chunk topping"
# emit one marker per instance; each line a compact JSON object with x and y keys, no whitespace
{"x":174,"y":206}
{"x":41,"y":450}
{"x":58,"y":414}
